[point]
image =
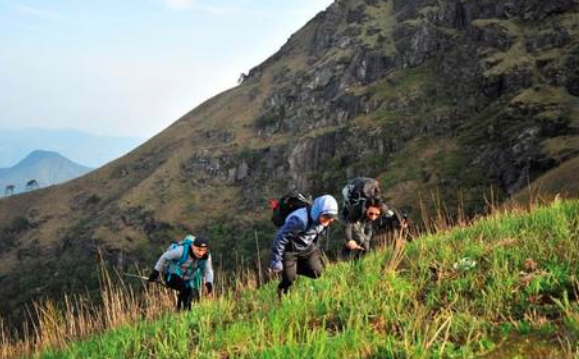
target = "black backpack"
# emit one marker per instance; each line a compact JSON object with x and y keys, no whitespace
{"x":390,"y":220}
{"x":355,"y":194}
{"x":287,"y":204}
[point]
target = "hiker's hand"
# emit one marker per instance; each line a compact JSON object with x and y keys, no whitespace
{"x":275,"y":267}
{"x":209,"y":288}
{"x":154,"y":275}
{"x":351,"y":245}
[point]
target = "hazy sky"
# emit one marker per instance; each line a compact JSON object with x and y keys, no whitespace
{"x":131,"y":67}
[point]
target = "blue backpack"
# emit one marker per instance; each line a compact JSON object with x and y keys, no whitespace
{"x":175,"y":265}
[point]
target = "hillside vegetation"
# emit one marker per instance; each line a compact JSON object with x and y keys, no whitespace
{"x":520,"y":300}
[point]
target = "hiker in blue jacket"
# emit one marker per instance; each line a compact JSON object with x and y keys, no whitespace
{"x":295,"y":248}
{"x":186,"y":266}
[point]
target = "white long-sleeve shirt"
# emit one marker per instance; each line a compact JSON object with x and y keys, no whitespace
{"x":188,"y":268}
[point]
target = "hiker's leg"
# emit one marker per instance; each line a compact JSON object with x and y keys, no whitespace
{"x":347,"y":253}
{"x":289,"y":272}
{"x":177,"y":283}
{"x":185,"y":297}
{"x":195,"y":294}
{"x":310,"y":264}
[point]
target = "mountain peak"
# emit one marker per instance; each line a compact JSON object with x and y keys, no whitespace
{"x":41,"y":155}
{"x":45,"y":167}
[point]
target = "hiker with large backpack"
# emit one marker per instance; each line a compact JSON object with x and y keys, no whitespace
{"x":359,"y":233}
{"x":186,"y":267}
{"x":363,"y":211}
{"x":296,"y":248}
{"x":354,"y":196}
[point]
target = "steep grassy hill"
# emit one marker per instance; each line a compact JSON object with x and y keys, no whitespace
{"x":520,"y":300}
{"x":430,"y":96}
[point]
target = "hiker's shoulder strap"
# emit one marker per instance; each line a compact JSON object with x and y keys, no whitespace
{"x":301,"y":215}
{"x":305,"y":217}
{"x":186,"y":248}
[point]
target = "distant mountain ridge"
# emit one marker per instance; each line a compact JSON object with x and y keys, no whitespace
{"x":46,"y":168}
{"x":81,"y":147}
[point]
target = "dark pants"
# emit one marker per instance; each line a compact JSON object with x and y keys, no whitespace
{"x":355,"y":253}
{"x":185,"y":293}
{"x":307,"y":263}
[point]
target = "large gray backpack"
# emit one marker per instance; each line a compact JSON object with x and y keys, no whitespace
{"x":354,"y":196}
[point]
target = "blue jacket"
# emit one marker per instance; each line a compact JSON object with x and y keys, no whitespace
{"x":301,"y":231}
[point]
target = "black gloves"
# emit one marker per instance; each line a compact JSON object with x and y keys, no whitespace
{"x":209,"y":287}
{"x":154,"y":275}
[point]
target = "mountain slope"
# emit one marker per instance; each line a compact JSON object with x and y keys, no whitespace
{"x":448,"y":97}
{"x":45,"y":167}
{"x":518,"y":299}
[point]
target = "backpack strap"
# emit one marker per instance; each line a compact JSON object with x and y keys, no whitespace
{"x":186,"y":249}
{"x":176,"y":264}
{"x":199,"y":272}
{"x":309,"y":215}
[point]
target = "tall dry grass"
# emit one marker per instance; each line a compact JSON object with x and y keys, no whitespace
{"x":79,"y":316}
{"x":120,"y":304}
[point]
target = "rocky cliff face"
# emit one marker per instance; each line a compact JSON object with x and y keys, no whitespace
{"x":499,"y":73}
{"x":444,"y":96}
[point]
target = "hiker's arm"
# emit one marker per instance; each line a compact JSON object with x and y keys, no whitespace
{"x":209,"y":276}
{"x":368,"y":231}
{"x":209,"y":270}
{"x":349,"y":233}
{"x":397,"y":215}
{"x":292,"y":227}
{"x":393,"y":214}
{"x":154,"y":275}
{"x":400,"y":219}
{"x":403,"y":221}
{"x":168,"y":256}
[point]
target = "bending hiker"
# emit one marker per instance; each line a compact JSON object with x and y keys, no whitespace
{"x":359,"y":233}
{"x":364,"y":213}
{"x":186,"y":266}
{"x":296,"y":244}
{"x":354,"y":197}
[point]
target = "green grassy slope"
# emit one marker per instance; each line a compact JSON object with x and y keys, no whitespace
{"x":519,"y":301}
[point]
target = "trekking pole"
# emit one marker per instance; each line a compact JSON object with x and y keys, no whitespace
{"x":135,"y":276}
{"x":144,"y":279}
{"x":259,"y":270}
